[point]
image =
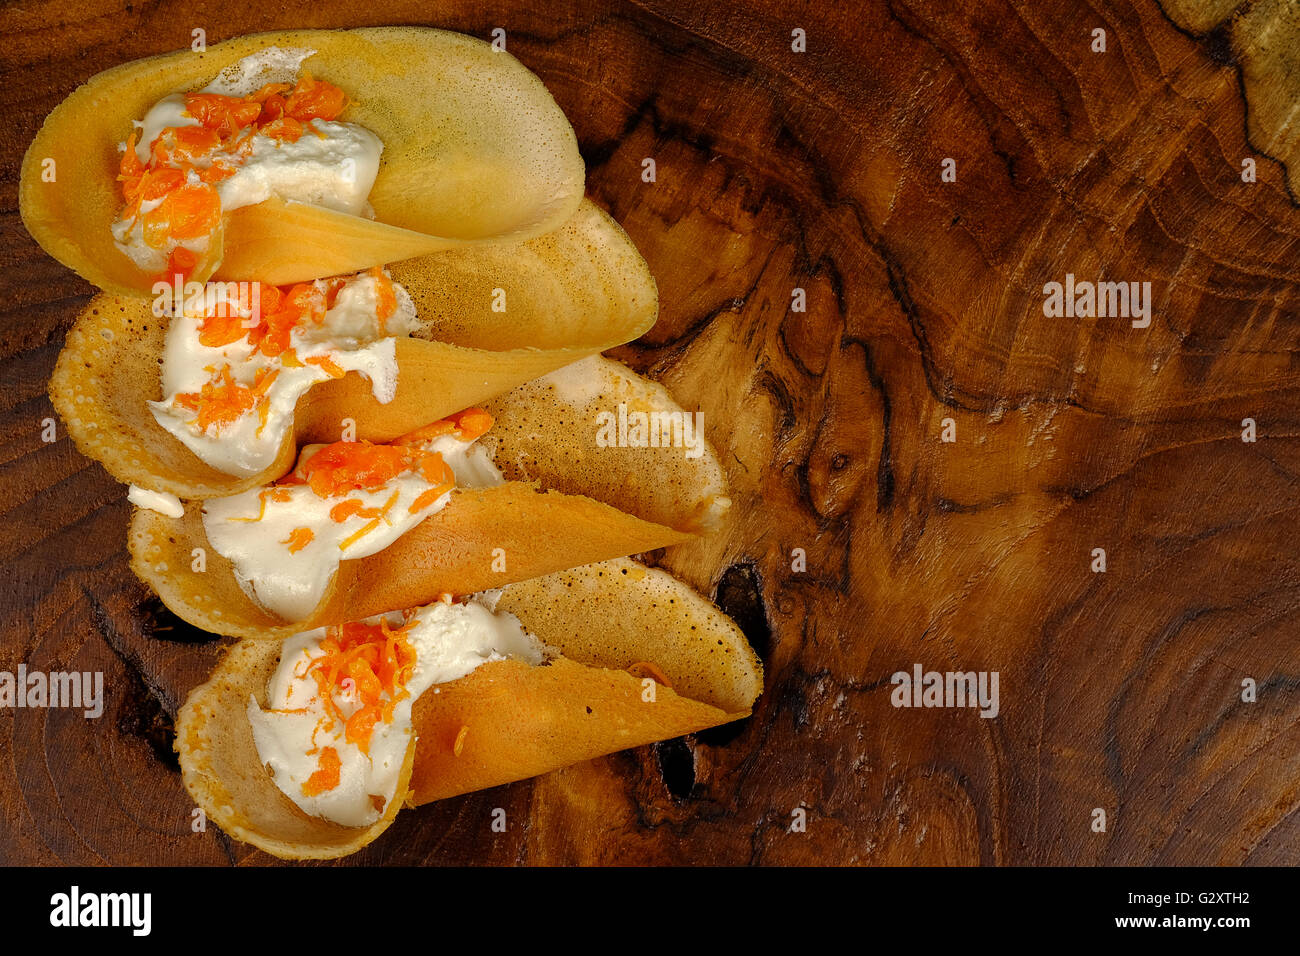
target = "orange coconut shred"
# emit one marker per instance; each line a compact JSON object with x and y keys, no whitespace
{"x":361,"y":675}
{"x":347,"y":466}
{"x":471,"y":424}
{"x":337,"y":470}
{"x":266,"y":316}
{"x":360,"y":533}
{"x":223,"y":401}
{"x":326,"y":776}
{"x":298,"y":539}
{"x":351,"y":507}
{"x":186,"y":162}
{"x":274,"y":493}
{"x":385,"y":295}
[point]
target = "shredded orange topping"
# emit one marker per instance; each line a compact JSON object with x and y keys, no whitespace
{"x":224,"y":115}
{"x":328,"y":364}
{"x":186,"y":210}
{"x":468,"y":425}
{"x":279,"y":311}
{"x":343,"y":467}
{"x":378,"y":660}
{"x":360,"y":533}
{"x":385,"y":295}
{"x":227,"y":125}
{"x":274,"y":493}
{"x":351,"y":507}
{"x":298,"y":539}
{"x":223,"y":401}
{"x":347,"y":466}
{"x":274,"y":313}
{"x":427,"y":498}
{"x":314,"y":99}
{"x":326,"y":776}
{"x":181,"y":262}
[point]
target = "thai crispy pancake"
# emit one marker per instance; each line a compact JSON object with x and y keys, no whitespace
{"x":591,"y":391}
{"x":450,"y":552}
{"x":222,"y":771}
{"x":604,"y":618}
{"x":513,"y":721}
{"x":579,"y":290}
{"x":612,"y":502}
{"x":475,"y":148}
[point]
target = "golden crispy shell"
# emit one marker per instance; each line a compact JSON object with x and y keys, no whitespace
{"x":603,"y":618}
{"x":611,"y":503}
{"x":451,"y":552}
{"x":518,"y":721}
{"x":221,"y":769}
{"x":474,"y":145}
{"x":568,"y":294}
{"x":527,"y":448}
{"x":618,"y":613}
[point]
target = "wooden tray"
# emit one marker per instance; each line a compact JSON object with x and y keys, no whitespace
{"x":822,"y":170}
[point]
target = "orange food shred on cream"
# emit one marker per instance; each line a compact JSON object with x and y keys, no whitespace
{"x":266,"y":316}
{"x":274,"y":493}
{"x":343,"y":467}
{"x":356,"y":498}
{"x":352,"y":507}
{"x":326,"y":776}
{"x":275,"y":313}
{"x":298,"y":539}
{"x":469,"y":425}
{"x":427,"y":498}
{"x":328,"y":364}
{"x":367,"y":665}
{"x":363,"y":531}
{"x":179,"y":156}
{"x":346,"y":466}
{"x":385,"y":294}
{"x":223,"y":400}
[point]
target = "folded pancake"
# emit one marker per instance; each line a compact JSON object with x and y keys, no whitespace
{"x":223,"y":773}
{"x":608,"y":621}
{"x":566,"y":501}
{"x":571,"y":293}
{"x":454,"y":551}
{"x":647,"y":449}
{"x":611,"y":623}
{"x":474,"y":149}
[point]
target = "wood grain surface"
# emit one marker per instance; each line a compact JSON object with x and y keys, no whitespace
{"x":821,"y":170}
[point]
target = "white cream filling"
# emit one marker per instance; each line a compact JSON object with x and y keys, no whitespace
{"x":128,"y":236}
{"x":275,"y":64}
{"x":159,"y":501}
{"x":332,"y":164}
{"x":351,"y":336}
{"x":293,"y":583}
{"x":450,"y":641}
{"x":167,"y":113}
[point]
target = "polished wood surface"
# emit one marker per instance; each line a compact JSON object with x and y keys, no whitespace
{"x":775,"y":170}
